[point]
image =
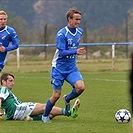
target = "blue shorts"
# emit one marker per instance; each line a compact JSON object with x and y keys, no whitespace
{"x":59,"y":78}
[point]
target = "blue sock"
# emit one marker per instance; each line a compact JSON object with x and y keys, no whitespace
{"x":48,"y":108}
{"x":72,"y":95}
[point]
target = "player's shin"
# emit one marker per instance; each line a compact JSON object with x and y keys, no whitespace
{"x":48,"y":108}
{"x":72,"y":95}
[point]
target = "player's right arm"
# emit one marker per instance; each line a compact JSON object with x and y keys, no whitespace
{"x":1,"y":112}
{"x":4,"y":93}
{"x":61,"y":45}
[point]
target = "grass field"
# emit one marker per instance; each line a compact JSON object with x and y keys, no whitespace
{"x":106,"y":91}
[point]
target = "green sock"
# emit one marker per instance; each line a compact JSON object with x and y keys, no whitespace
{"x":38,"y":117}
{"x":63,"y":111}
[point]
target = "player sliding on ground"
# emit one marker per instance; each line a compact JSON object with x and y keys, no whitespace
{"x":14,"y":109}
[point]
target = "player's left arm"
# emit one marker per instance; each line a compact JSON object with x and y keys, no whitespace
{"x":15,"y":42}
{"x":67,"y":52}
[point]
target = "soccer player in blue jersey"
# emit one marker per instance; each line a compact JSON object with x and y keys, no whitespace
{"x":14,"y":109}
{"x":64,"y":64}
{"x":7,"y":35}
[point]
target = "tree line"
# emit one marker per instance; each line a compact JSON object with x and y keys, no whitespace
{"x":38,"y":21}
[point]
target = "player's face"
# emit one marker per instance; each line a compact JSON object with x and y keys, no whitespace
{"x":9,"y":83}
{"x":75,"y":21}
{"x":3,"y":20}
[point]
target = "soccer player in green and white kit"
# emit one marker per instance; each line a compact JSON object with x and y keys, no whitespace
{"x":14,"y":109}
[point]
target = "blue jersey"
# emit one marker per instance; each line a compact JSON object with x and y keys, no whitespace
{"x":8,"y":35}
{"x":67,"y":43}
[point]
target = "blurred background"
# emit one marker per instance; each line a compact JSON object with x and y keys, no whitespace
{"x":103,"y":21}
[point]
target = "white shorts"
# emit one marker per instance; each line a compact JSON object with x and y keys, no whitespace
{"x":23,"y":110}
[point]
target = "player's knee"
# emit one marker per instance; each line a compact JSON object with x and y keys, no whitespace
{"x":80,"y":86}
{"x":56,"y":97}
{"x":80,"y":89}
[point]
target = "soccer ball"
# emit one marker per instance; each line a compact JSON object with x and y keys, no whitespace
{"x":123,"y":116}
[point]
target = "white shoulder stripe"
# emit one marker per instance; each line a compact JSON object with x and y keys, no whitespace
{"x":79,"y":31}
{"x":4,"y":93}
{"x":67,"y":30}
{"x":55,"y":58}
{"x":4,"y":29}
{"x":7,"y":31}
{"x":3,"y":89}
{"x":71,"y":32}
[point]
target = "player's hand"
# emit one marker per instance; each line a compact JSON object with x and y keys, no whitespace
{"x":2,"y":49}
{"x":81,"y":50}
{"x":1,"y":113}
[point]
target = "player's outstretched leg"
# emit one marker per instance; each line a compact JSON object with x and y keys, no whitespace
{"x":74,"y":109}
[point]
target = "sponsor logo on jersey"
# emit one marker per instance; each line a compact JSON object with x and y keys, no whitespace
{"x":78,"y":39}
{"x":3,"y":37}
{"x":70,"y":41}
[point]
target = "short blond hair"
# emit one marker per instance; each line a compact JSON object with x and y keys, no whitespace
{"x":72,"y":11}
{"x":3,"y":13}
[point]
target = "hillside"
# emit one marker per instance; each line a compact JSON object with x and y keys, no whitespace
{"x":96,"y":13}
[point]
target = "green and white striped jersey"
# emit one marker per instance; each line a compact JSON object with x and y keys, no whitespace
{"x":9,"y":102}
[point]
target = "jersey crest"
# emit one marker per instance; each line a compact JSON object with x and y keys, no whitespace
{"x":3,"y":36}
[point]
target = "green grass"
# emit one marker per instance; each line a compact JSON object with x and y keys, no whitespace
{"x":105,"y":93}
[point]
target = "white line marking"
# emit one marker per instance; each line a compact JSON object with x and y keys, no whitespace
{"x":31,"y":77}
{"x":109,"y":80}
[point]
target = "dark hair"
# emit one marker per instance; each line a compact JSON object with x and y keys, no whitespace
{"x":5,"y":77}
{"x":72,"y":11}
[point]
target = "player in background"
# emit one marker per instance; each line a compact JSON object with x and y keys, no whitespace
{"x":15,"y":109}
{"x":7,"y":35}
{"x":64,"y":63}
{"x":131,"y":85}
{"x":131,"y":79}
